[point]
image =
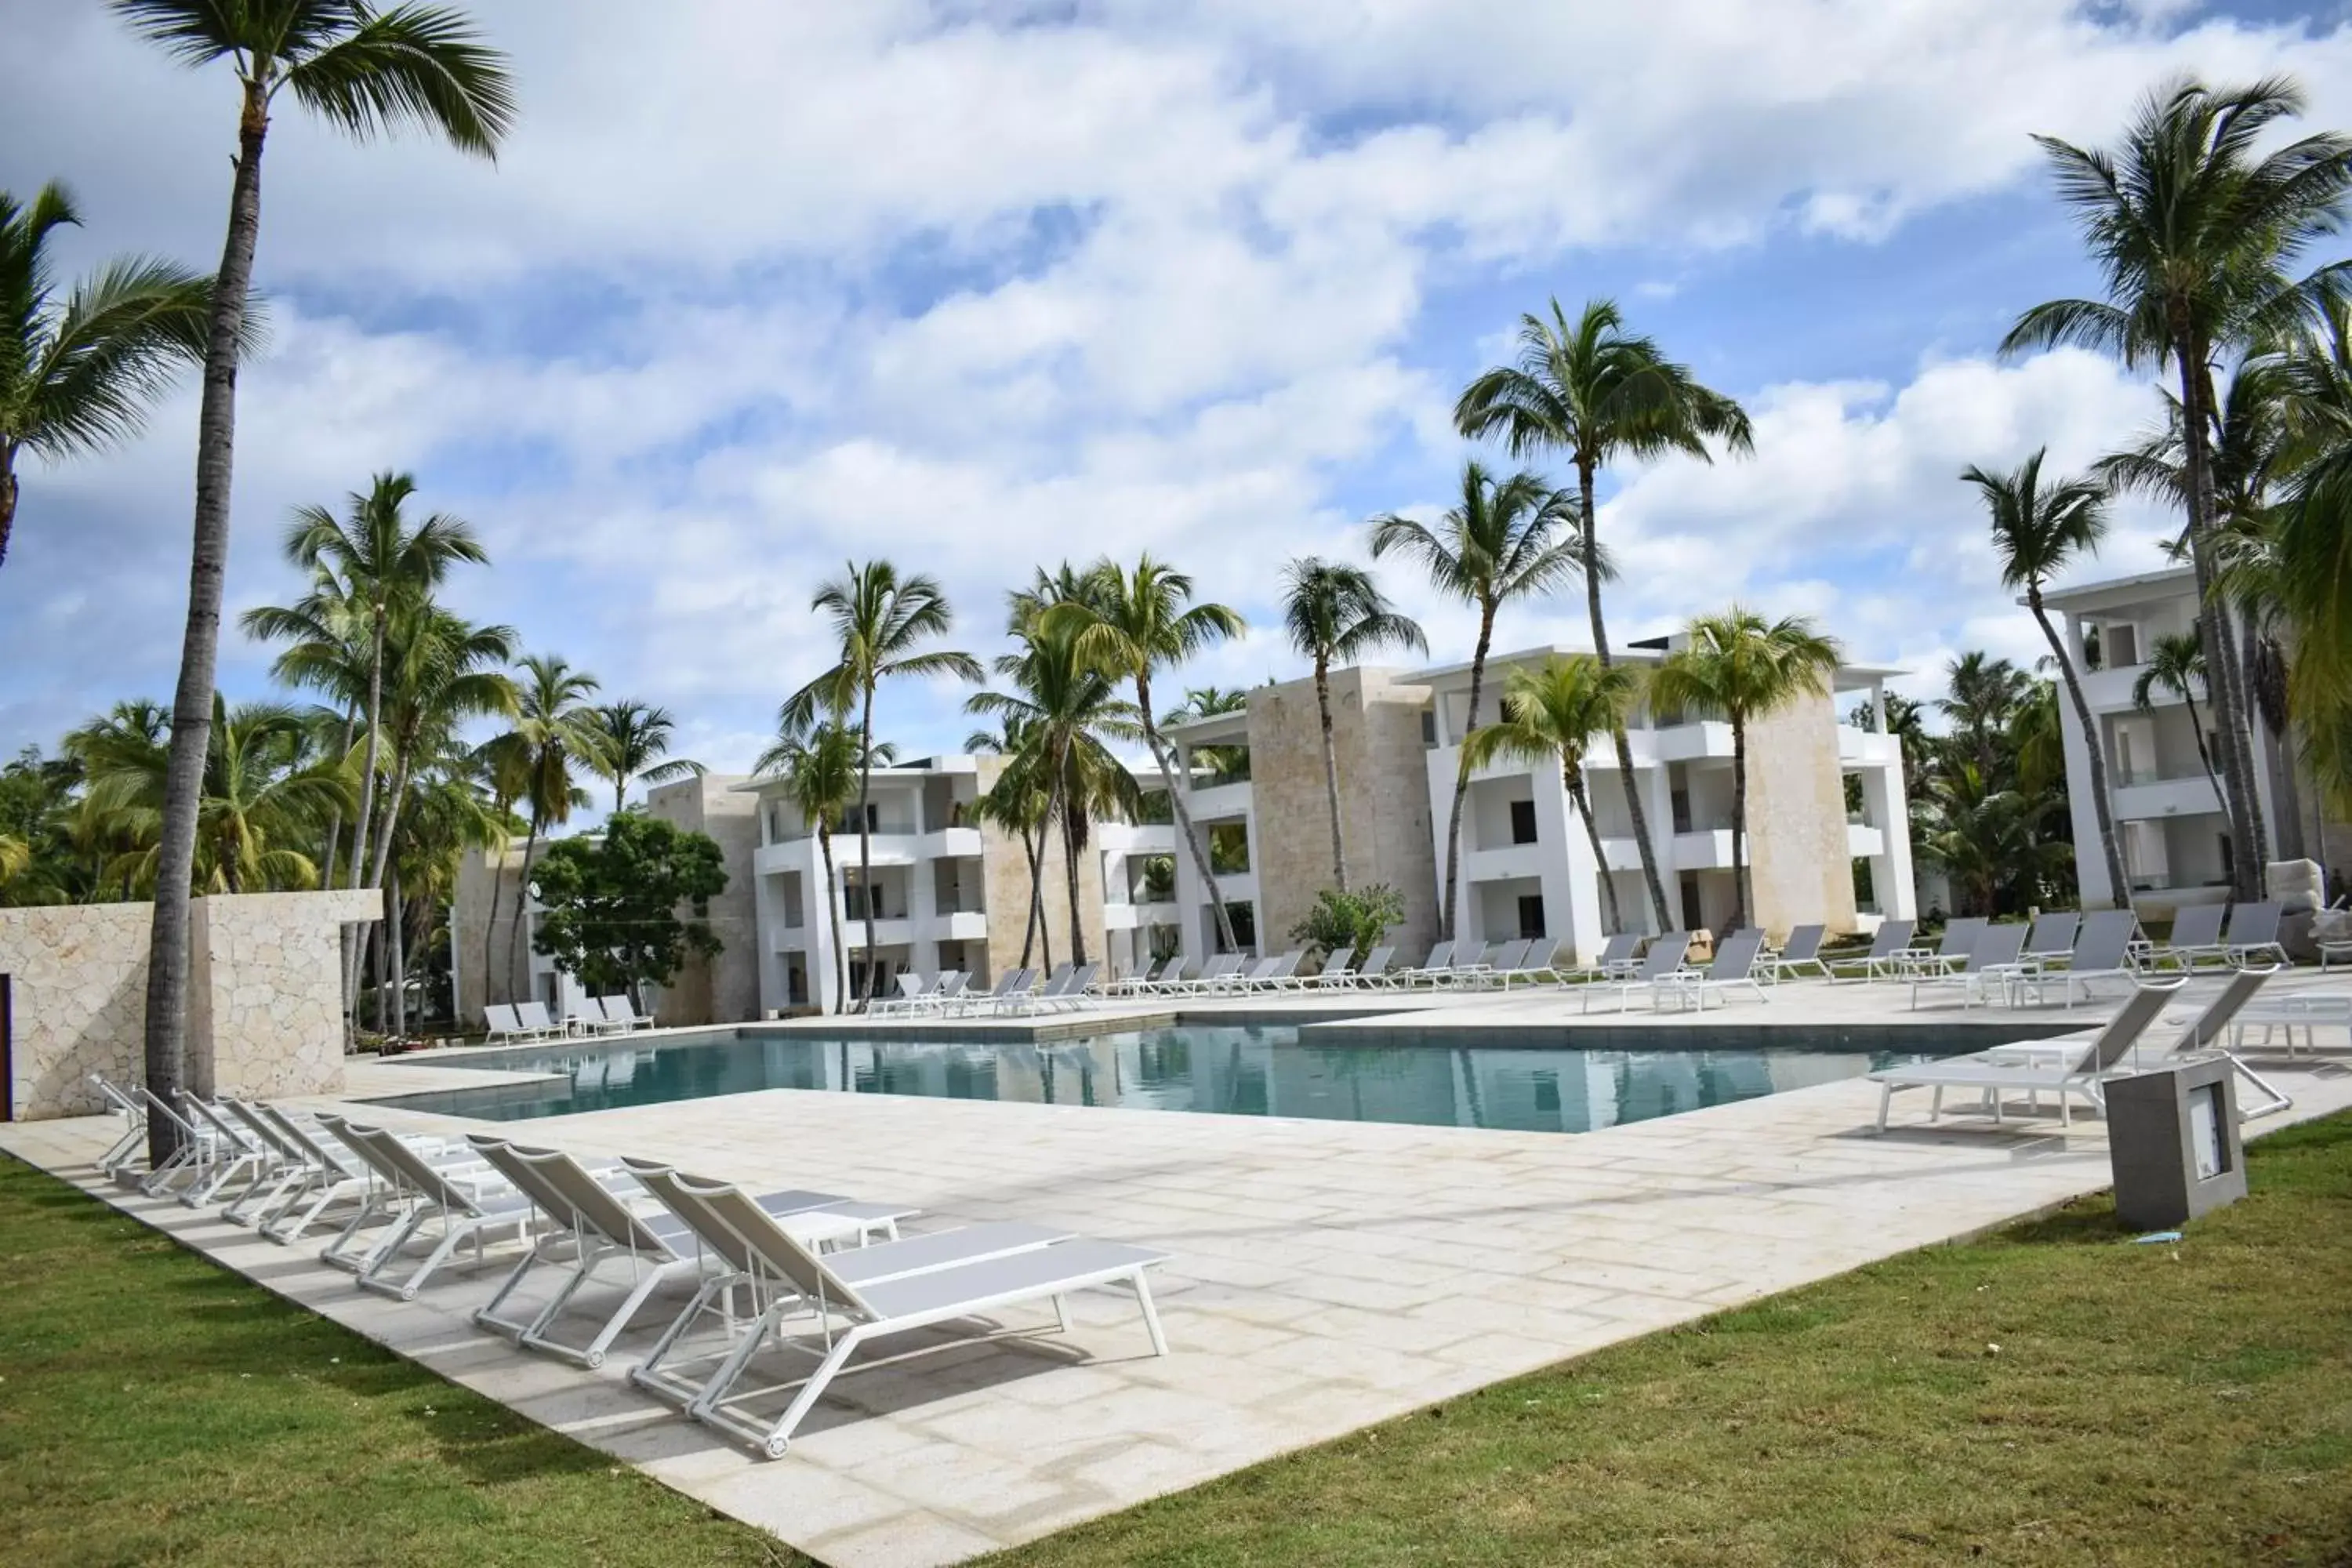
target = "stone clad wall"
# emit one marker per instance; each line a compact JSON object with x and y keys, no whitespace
{"x":1796,"y":821}
{"x":265,"y":995}
{"x":79,"y":976}
{"x":265,"y":1014}
{"x":726,"y":989}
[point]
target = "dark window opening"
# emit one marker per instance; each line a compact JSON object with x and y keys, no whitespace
{"x":1531,"y":921}
{"x":1523,"y":822}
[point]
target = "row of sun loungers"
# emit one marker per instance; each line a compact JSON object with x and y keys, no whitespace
{"x":523,"y":1022}
{"x":2078,"y":1069}
{"x":809,"y":1276}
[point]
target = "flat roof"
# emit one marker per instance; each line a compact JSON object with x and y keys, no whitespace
{"x":2165,"y":577}
{"x":1849,"y":676}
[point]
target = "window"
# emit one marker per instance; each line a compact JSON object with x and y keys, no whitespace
{"x":1681,"y":811}
{"x":1428,"y":728}
{"x":1531,"y":921}
{"x":1691,"y":909}
{"x":1523,"y":822}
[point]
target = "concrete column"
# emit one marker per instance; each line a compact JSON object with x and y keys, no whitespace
{"x":1571,"y":891}
{"x":1885,"y":805}
{"x":2090,"y":864}
{"x":1660,"y":783}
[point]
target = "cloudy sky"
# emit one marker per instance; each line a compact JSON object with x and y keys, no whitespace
{"x":765,"y":286}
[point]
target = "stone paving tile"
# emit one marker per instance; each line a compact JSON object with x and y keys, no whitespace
{"x":1323,"y":1275}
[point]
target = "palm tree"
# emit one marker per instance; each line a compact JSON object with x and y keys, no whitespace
{"x":2175,"y":662}
{"x":1595,"y":393}
{"x":2038,"y":530}
{"x":365,"y":72}
{"x":882,"y":623}
{"x":2193,"y":233}
{"x":1129,"y":623}
{"x":385,"y":568}
{"x":1337,"y":612}
{"x":1496,"y":546}
{"x":1551,"y":711}
{"x":1744,"y":667}
{"x":2305,"y":559}
{"x":265,"y":787}
{"x":449,"y":815}
{"x":331,"y":650}
{"x":637,"y":746}
{"x":1982,"y":696}
{"x":78,"y":375}
{"x":554,"y":731}
{"x":1064,"y":706}
{"x":822,"y":766}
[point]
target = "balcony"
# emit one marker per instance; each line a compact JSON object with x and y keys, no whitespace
{"x":1867,"y":747}
{"x":2110,"y":691}
{"x":1622,"y":853}
{"x":1135,"y":917}
{"x":1219,"y":803}
{"x":1688,"y":742}
{"x":1862,"y":841}
{"x":1707,"y":849}
{"x":957,"y":925}
{"x":1510,"y":863}
{"x":1134,"y":837}
{"x":2145,"y":797}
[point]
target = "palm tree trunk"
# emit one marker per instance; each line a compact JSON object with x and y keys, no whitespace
{"x":1037,"y":868}
{"x":1330,"y":768}
{"x":1072,"y":841}
{"x":1462,"y":774}
{"x":192,"y":704}
{"x":8,"y":496}
{"x":1029,"y":926}
{"x":1625,"y":747}
{"x":360,"y":829}
{"x":1573,"y":776}
{"x":1740,"y":881}
{"x":833,"y":915}
{"x":515,"y":986}
{"x":1183,"y":817}
{"x":2228,"y":713}
{"x":2094,"y":745}
{"x":865,"y":838}
{"x":495,"y":866}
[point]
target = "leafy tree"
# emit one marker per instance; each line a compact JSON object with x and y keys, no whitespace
{"x":1744,"y":667}
{"x":2194,"y":226}
{"x":2038,"y":530}
{"x":822,"y":766}
{"x":1344,"y":919}
{"x":1129,"y":623}
{"x":1550,"y":713}
{"x":881,"y":622}
{"x":611,"y":904}
{"x":637,"y":746}
{"x":363,"y":70}
{"x":1494,"y":548}
{"x":1595,"y":393}
{"x":1336,"y":613}
{"x":77,"y":375}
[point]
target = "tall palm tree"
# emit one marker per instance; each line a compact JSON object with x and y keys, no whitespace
{"x":1130,"y":622}
{"x":1594,"y":392}
{"x":2176,"y":663}
{"x":1336,"y":613}
{"x":1064,"y":706}
{"x":823,"y":767}
{"x":882,"y":623}
{"x":448,"y":813}
{"x":554,"y":733}
{"x":637,"y":746}
{"x":2306,"y":560}
{"x":77,"y":375}
{"x":1496,"y":546}
{"x":1018,"y":801}
{"x":2193,"y":227}
{"x":363,"y":70}
{"x":387,"y":568}
{"x":1551,"y":713}
{"x":1744,"y":667}
{"x":329,"y":634}
{"x":2040,"y":528}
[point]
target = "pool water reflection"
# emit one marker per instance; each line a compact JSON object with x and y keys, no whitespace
{"x":1245,"y":1071}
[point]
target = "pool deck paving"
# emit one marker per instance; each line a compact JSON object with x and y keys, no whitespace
{"x":1322,"y":1275}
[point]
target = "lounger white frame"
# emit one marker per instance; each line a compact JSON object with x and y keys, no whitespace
{"x":872,"y":1293}
{"x":1732,"y":968}
{"x":2076,"y":1074}
{"x":1666,"y":956}
{"x":1991,"y":964}
{"x":1802,"y":950}
{"x":1888,"y":944}
{"x":426,"y":1194}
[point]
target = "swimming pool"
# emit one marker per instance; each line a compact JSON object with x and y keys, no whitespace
{"x":1623,"y":1076}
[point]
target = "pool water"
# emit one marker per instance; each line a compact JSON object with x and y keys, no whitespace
{"x":1226,"y":1071}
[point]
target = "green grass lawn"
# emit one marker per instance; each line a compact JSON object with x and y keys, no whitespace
{"x":2158,"y":1405}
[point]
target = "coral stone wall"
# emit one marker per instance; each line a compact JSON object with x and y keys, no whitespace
{"x":265,"y":996}
{"x":1800,"y":864}
{"x":79,"y":981}
{"x":725,"y":989}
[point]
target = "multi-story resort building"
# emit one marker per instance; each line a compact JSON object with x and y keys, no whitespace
{"x":1827,"y":842}
{"x":949,"y":891}
{"x":2170,"y":820}
{"x":1828,"y":836}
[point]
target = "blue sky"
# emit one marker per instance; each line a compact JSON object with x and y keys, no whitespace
{"x":981,"y":286}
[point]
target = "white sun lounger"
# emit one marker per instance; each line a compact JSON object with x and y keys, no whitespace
{"x":1616,"y":962}
{"x":2205,"y":1032}
{"x":592,"y":1225}
{"x":1732,"y":969}
{"x":129,"y":1150}
{"x":1990,"y":968}
{"x":2102,"y":952}
{"x":1373,"y":972}
{"x":2195,"y":935}
{"x":1888,"y":945}
{"x":2254,"y":933}
{"x":1541,"y":958}
{"x":421,"y":1195}
{"x":2075,"y":1073}
{"x":1664,"y":957}
{"x":852,"y":1298}
{"x":1952,"y":952}
{"x":1802,"y":952}
{"x":621,"y":1016}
